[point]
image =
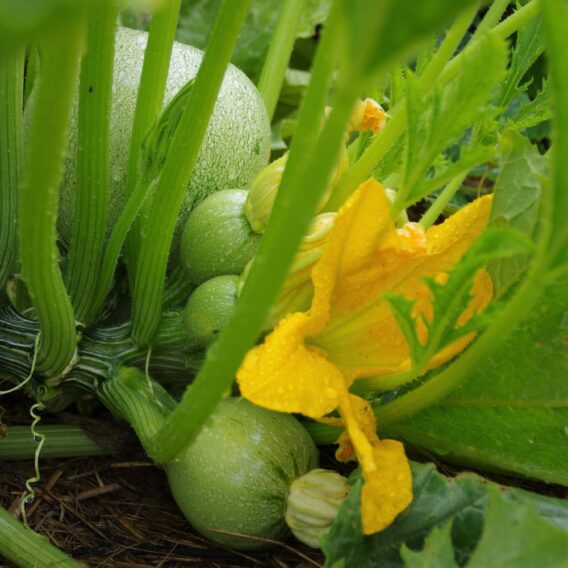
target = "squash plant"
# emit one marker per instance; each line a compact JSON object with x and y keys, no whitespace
{"x":113,"y":139}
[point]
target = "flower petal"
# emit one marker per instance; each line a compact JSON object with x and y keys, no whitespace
{"x":362,"y":336}
{"x":387,"y":488}
{"x":285,"y":375}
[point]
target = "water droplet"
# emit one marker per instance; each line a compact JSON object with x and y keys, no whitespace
{"x":329,"y":392}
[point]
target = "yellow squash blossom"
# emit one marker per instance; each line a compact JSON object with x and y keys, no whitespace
{"x":307,"y":364}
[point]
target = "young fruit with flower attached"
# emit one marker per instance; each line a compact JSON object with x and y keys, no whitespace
{"x":248,"y":477}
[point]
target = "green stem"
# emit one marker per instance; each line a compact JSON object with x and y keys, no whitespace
{"x":138,"y":400}
{"x":11,"y":106}
{"x":116,"y":240}
{"x":32,"y":71}
{"x":396,"y":125}
{"x":305,"y":178}
{"x":278,"y":56}
{"x":61,"y":441}
{"x":322,"y":434}
{"x":92,"y":189}
{"x":101,"y":352}
{"x":149,"y":104}
{"x":492,"y":17}
{"x":162,"y":216}
{"x":28,"y":549}
{"x":441,"y":202}
{"x":39,"y":194}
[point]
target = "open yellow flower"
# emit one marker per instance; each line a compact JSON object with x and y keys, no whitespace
{"x":307,"y":364}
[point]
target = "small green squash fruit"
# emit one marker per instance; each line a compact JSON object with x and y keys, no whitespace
{"x":236,"y":476}
{"x":217,"y":238}
{"x":235,"y":148}
{"x":209,"y":308}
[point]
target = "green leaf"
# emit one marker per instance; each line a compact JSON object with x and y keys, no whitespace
{"x":438,"y":502}
{"x":528,"y":47}
{"x":449,"y":300}
{"x":445,"y":171}
{"x":534,"y":112}
{"x":516,"y":202}
{"x":515,"y":535}
{"x":197,"y":16}
{"x":438,"y":550}
{"x":512,"y":414}
{"x":378,"y":34}
{"x":444,"y":117}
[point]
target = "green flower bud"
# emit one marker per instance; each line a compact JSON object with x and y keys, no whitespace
{"x":262,"y":194}
{"x":313,"y":503}
{"x":297,"y":290}
{"x":264,"y":189}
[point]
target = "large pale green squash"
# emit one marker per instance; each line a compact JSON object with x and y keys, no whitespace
{"x":236,"y":145}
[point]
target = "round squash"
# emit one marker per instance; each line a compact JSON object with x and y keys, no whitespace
{"x":209,"y":308}
{"x":236,"y":476}
{"x":235,"y":148}
{"x":217,"y":238}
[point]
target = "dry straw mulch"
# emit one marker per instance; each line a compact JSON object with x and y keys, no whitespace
{"x":119,"y":513}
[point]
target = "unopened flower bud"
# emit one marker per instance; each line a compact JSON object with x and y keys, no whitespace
{"x":313,"y":504}
{"x":368,"y":115}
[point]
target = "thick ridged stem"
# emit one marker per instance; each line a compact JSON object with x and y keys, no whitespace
{"x":159,"y":223}
{"x":11,"y":95}
{"x":28,"y":549}
{"x":279,"y":52}
{"x":61,"y":441}
{"x":39,"y":193}
{"x":138,"y":400}
{"x":101,"y":350}
{"x":92,"y":188}
{"x":149,"y":102}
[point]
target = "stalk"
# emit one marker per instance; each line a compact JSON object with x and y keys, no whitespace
{"x":149,"y":104}
{"x":115,"y":243}
{"x":302,"y":185}
{"x":11,"y":106}
{"x":100,"y":353}
{"x":438,"y":71}
{"x":492,"y":16}
{"x":61,"y":441}
{"x":91,"y":192}
{"x":39,"y":193}
{"x":138,"y":400}
{"x":28,"y":549}
{"x":159,"y":224}
{"x":278,"y":56}
{"x":441,"y":202}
